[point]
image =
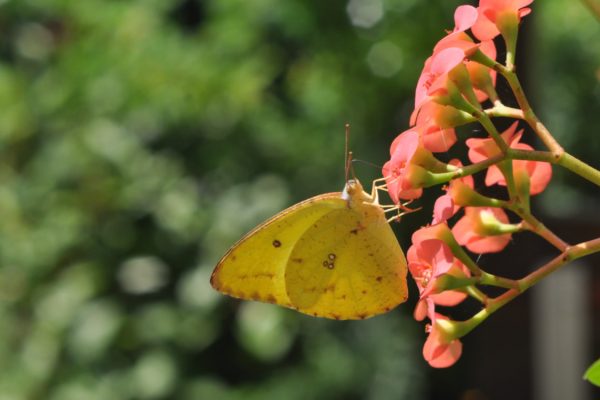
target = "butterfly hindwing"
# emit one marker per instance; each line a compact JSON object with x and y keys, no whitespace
{"x":347,"y":265}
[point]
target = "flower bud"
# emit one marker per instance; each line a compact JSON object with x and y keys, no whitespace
{"x":487,"y":224}
{"x":418,"y":177}
{"x":446,"y":282}
{"x":463,"y":195}
{"x":460,"y":76}
{"x":508,"y":25}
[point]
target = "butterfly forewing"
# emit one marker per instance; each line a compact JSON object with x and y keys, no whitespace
{"x":254,"y":267}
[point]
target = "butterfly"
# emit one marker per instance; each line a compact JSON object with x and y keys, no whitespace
{"x":333,"y":256}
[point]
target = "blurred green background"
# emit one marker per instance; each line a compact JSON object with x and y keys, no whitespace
{"x":140,"y":139}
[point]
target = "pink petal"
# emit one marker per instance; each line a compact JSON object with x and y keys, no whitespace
{"x":494,"y":176}
{"x":466,"y":235}
{"x":464,"y":17}
{"x":430,"y":232}
{"x":484,"y":29}
{"x":443,"y":209}
{"x":420,"y":310}
{"x":438,"y":353}
{"x":449,"y":298}
{"x":438,"y":140}
{"x":444,"y":61}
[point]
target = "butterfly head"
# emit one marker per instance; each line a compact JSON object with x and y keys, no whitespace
{"x":354,"y":194}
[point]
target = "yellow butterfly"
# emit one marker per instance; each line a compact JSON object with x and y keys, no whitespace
{"x":333,"y":255}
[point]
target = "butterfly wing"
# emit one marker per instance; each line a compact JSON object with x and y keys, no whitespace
{"x":347,"y":265}
{"x":254,"y":268}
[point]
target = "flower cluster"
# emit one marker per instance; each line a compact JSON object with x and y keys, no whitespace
{"x":458,"y":86}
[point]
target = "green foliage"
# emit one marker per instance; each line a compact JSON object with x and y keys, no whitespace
{"x":592,"y":374}
{"x":138,"y":140}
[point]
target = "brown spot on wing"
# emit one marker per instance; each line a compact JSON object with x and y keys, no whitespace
{"x":271,"y":299}
{"x":379,"y":278}
{"x":297,"y":260}
{"x":255,"y":296}
{"x":276,"y":243}
{"x":267,"y":275}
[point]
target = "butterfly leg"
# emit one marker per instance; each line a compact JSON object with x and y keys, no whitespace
{"x":381,"y":184}
{"x":399,"y":209}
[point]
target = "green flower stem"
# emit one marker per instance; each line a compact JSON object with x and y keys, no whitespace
{"x":532,"y":224}
{"x":565,"y":160}
{"x":462,"y":256}
{"x":533,"y":155}
{"x":476,"y":294}
{"x":500,"y":110}
{"x":477,"y":167}
{"x":580,"y":168}
{"x":461,"y":328}
{"x":505,"y":167}
{"x":498,"y":281}
{"x":481,"y":58}
{"x":529,"y":115}
{"x":571,"y":253}
{"x":486,"y":122}
{"x":510,"y":57}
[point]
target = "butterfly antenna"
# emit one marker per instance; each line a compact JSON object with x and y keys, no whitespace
{"x":358,"y":160}
{"x":348,"y":153}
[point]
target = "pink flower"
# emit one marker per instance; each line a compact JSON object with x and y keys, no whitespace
{"x":435,"y":74}
{"x":464,"y":18}
{"x":482,"y":149}
{"x":427,"y":261}
{"x":471,"y":230}
{"x":444,"y":207}
{"x":440,"y":350}
{"x":435,"y":123}
{"x":539,"y":172}
{"x":397,"y":171}
{"x":429,"y":258}
{"x":495,"y":9}
{"x":448,"y":53}
{"x":493,"y":14}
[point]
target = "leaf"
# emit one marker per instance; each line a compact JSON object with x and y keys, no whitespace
{"x":593,"y":373}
